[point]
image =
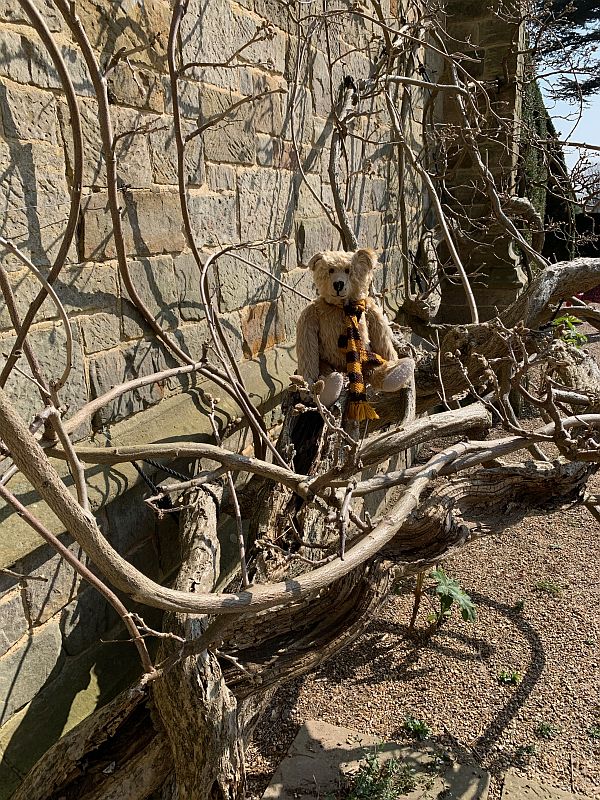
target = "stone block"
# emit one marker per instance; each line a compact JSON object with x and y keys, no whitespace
{"x":163,"y":154}
{"x":187,"y":99}
{"x":132,"y":86}
{"x":519,"y":787}
{"x":320,"y":84}
{"x":152,"y":224}
{"x":117,"y":366}
{"x":85,"y":620}
{"x":282,"y":255}
{"x":232,"y":143}
{"x":208,"y":34}
{"x":14,"y":619}
{"x":214,"y":218}
{"x":100,"y":331}
{"x":466,"y":31}
{"x":187,"y":287}
{"x":287,"y":157}
{"x":46,"y":598}
{"x":192,"y":338}
{"x":269,"y":49}
{"x":497,"y":60}
{"x":80,"y":289}
{"x":14,"y":63}
{"x":467,"y":9}
{"x":267,"y":202}
{"x":42,"y":201}
{"x":262,"y":328}
{"x":247,"y":75}
{"x":144,"y":26}
{"x":220,"y":177}
{"x":376,"y":194}
{"x":301,"y":118}
{"x":48,"y":343}
{"x":129,"y":521}
{"x":154,"y":280}
{"x":131,"y":149}
{"x":292,"y":303}
{"x":276,"y":13}
{"x":28,"y":113}
{"x":45,"y":75}
{"x":314,"y":235}
{"x":322,"y":756}
{"x":307,"y":203}
{"x":11,"y":11}
{"x":232,"y":139}
{"x":267,"y":113}
{"x":27,"y":667}
{"x":94,"y":171}
{"x":232,"y":329}
{"x":369,"y":230}
{"x":82,"y":685}
{"x":240,"y":285}
{"x":266,"y":150}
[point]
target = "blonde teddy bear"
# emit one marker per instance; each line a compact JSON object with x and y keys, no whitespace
{"x":345,"y":333}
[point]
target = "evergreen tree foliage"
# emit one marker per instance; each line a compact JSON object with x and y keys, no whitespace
{"x":568,"y":36}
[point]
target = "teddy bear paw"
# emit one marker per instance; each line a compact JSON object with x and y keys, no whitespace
{"x":397,"y":375}
{"x":332,"y":388}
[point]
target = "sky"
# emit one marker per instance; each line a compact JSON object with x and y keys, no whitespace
{"x":587,"y":129}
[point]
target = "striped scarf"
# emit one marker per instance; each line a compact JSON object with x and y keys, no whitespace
{"x":357,"y":357}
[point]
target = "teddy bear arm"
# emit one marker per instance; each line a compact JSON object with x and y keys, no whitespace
{"x":380,"y":333}
{"x":307,"y":345}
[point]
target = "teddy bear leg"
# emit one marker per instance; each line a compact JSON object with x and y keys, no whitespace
{"x":394,"y":376}
{"x":333,"y":385}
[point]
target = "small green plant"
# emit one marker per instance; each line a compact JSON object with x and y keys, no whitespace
{"x":545,"y":730}
{"x":549,"y":587}
{"x":565,"y":328}
{"x":594,"y":732}
{"x":416,"y":727}
{"x":450,"y":592}
{"x":381,"y":781}
{"x":512,"y":677}
{"x":519,"y":606}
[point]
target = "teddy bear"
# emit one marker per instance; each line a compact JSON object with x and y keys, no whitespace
{"x":345,"y":333}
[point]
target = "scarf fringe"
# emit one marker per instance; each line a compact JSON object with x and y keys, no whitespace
{"x":360,"y":410}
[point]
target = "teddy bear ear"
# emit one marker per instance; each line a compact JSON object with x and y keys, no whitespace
{"x":365,"y":258}
{"x":313,"y":262}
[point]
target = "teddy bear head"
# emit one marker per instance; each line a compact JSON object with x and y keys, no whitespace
{"x":340,"y":277}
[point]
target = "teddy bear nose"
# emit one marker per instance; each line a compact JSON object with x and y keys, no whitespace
{"x":338,"y":286}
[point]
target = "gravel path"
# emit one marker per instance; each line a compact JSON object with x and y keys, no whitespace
{"x":536,"y":587}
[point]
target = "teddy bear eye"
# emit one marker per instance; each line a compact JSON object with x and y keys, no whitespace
{"x":347,"y":271}
{"x":331,"y":272}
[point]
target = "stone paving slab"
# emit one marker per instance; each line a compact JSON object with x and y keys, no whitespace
{"x":321,"y":754}
{"x":518,"y":788}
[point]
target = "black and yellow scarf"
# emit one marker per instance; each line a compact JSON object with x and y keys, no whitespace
{"x":357,"y":357}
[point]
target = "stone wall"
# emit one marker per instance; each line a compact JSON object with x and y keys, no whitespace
{"x":244,"y":184}
{"x":492,"y":35}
